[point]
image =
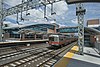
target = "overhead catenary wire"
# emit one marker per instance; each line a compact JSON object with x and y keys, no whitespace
{"x":57,"y":16}
{"x":49,"y":16}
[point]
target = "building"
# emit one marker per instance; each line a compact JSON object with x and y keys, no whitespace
{"x":29,"y":32}
{"x":91,"y":34}
{"x":94,"y":23}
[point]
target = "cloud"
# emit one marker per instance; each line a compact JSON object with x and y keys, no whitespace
{"x":75,"y":21}
{"x":52,"y":21}
{"x":60,"y":7}
{"x":12,"y":2}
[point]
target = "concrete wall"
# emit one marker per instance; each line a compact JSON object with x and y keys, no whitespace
{"x":6,"y":35}
{"x":93,"y":23}
{"x":92,"y":40}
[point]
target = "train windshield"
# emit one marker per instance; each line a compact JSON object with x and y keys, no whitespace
{"x":53,"y":38}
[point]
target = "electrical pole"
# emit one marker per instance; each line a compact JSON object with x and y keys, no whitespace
{"x":80,"y":12}
{"x":1,"y":20}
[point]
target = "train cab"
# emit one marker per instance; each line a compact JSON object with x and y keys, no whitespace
{"x":57,"y":40}
{"x":54,"y":40}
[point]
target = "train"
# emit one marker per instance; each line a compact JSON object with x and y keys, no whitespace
{"x":60,"y":40}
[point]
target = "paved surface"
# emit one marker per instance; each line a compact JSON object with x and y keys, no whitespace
{"x":65,"y":60}
{"x":90,"y":59}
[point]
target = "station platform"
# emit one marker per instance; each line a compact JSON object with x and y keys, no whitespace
{"x":13,"y":43}
{"x":72,"y":59}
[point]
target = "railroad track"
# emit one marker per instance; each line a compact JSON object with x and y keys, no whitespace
{"x":17,"y":49}
{"x":39,"y":58}
{"x":13,"y":49}
{"x":55,"y":57}
{"x":10,"y":57}
{"x":23,"y":60}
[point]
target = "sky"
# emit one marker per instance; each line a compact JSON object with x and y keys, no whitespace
{"x":65,"y":14}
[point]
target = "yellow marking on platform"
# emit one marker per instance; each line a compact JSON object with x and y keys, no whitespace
{"x":67,"y":57}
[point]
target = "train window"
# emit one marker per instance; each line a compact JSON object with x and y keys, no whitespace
{"x":60,"y":38}
{"x":51,"y":38}
{"x":56,"y":39}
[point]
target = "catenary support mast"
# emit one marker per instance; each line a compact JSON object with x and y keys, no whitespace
{"x":80,"y":12}
{"x":1,"y":20}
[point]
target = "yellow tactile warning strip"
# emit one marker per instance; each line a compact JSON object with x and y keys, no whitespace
{"x":64,"y":61}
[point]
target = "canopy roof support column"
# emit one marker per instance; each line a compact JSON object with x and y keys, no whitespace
{"x":80,"y":12}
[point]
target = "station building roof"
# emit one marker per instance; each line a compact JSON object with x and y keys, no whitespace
{"x":36,"y":26}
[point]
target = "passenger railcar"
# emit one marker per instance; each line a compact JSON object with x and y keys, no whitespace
{"x":60,"y":40}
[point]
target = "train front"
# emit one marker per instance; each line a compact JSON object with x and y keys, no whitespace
{"x":54,"y":40}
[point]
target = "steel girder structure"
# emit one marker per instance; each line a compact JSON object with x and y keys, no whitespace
{"x":80,"y":12}
{"x":30,"y":4}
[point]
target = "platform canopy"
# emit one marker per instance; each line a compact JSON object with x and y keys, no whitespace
{"x":80,"y":1}
{"x":75,"y":30}
{"x":92,"y":31}
{"x":68,"y":30}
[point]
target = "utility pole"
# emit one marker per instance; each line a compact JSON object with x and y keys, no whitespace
{"x":1,"y":20}
{"x":80,"y":12}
